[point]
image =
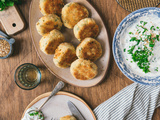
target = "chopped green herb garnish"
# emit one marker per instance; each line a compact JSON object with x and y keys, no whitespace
{"x":151,"y":27}
{"x":139,"y":32}
{"x":130,"y":51}
{"x":156,"y":69}
{"x":31,"y":114}
{"x":141,"y":53}
{"x":37,"y":113}
{"x":151,"y":45}
{"x":130,"y":33}
{"x":124,"y":50}
{"x":141,"y":57}
{"x":133,"y":39}
{"x":157,"y":36}
{"x":144,"y":23}
{"x":141,"y":22}
{"x":145,"y":30}
{"x":154,"y":38}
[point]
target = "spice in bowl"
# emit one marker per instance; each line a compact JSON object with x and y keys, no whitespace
{"x":4,"y":48}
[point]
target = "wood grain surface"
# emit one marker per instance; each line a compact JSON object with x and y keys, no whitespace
{"x":11,"y":20}
{"x":14,"y":100}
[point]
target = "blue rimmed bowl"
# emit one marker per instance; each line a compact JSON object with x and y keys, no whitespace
{"x":10,"y":41}
{"x":118,"y":51}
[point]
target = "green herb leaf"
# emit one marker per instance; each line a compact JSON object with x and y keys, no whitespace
{"x":141,"y":22}
{"x":130,"y":33}
{"x":151,"y":27}
{"x":151,"y":45}
{"x":7,"y":3}
{"x":145,"y":30}
{"x":31,"y":114}
{"x":144,"y":23}
{"x":133,"y":39}
{"x":156,"y":69}
{"x":157,"y":36}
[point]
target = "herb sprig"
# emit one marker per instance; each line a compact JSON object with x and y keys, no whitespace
{"x":37,"y":113}
{"x":6,"y":3}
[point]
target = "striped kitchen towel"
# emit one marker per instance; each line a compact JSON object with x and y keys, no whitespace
{"x":135,"y":102}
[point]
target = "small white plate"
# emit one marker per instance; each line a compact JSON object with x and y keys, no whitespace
{"x":57,"y":106}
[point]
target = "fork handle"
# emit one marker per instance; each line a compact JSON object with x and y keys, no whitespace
{"x":58,"y":87}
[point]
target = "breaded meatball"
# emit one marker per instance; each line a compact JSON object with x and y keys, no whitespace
{"x":86,"y":28}
{"x":65,"y":54}
{"x":72,"y":13}
{"x":51,"y":6}
{"x":50,"y":41}
{"x":68,"y":117}
{"x":47,"y":23}
{"x":89,"y":49}
{"x":83,"y":69}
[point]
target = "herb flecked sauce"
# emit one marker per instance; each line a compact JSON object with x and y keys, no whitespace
{"x":140,"y":43}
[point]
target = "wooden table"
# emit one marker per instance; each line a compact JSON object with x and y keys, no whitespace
{"x":14,"y":100}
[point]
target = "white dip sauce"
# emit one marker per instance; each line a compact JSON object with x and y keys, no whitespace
{"x":27,"y":116}
{"x":125,"y":43}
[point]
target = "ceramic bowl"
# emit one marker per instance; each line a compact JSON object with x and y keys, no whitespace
{"x":118,"y":51}
{"x":10,"y":41}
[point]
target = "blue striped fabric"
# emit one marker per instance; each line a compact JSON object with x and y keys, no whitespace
{"x":134,"y":102}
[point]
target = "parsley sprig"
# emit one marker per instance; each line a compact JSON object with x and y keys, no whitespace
{"x":37,"y":113}
{"x":7,"y":3}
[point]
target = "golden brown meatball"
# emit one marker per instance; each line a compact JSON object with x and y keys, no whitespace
{"x":83,"y":69}
{"x":86,"y":28}
{"x":50,"y":41}
{"x":51,"y":6}
{"x":89,"y":49}
{"x":65,"y":54}
{"x":72,"y":13}
{"x":68,"y":117}
{"x":47,"y":23}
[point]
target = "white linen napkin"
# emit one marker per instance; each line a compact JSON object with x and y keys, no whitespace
{"x":134,"y":102}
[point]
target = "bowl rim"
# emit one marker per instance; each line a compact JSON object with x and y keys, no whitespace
{"x":38,"y":72}
{"x":115,"y":39}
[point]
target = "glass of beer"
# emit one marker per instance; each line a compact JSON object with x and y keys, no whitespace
{"x":27,"y":76}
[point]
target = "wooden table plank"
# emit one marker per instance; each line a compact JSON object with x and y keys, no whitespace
{"x":14,"y":100}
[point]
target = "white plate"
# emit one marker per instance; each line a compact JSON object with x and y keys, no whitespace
{"x":57,"y":106}
{"x":65,"y":74}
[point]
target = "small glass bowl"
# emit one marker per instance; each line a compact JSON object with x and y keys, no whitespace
{"x":27,"y":76}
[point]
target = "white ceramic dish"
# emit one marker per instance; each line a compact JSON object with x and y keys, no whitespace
{"x":57,"y":106}
{"x":64,"y":74}
{"x":118,"y":51}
